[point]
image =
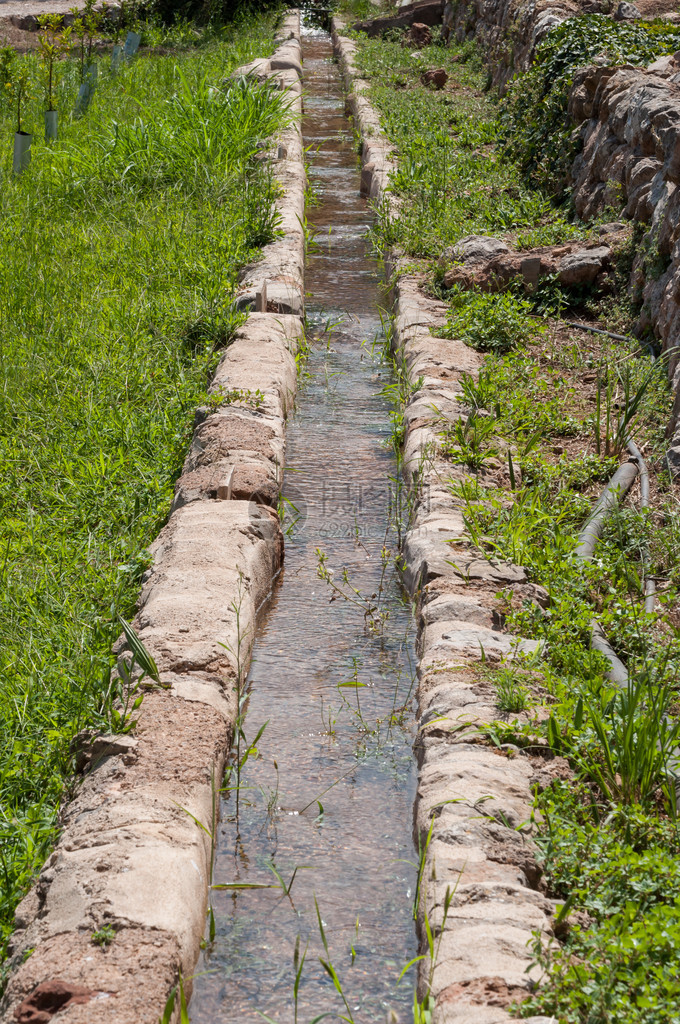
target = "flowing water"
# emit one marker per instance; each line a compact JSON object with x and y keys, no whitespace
{"x":332,"y":789}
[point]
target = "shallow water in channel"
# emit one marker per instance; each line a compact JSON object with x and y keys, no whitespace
{"x":332,"y":790}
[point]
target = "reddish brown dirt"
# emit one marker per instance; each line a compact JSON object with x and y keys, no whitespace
{"x":483,"y":991}
{"x":152,"y":959}
{"x":17,"y":38}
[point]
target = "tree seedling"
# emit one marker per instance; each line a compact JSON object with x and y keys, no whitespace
{"x":15,"y":85}
{"x":14,"y":80}
{"x":53,"y":41}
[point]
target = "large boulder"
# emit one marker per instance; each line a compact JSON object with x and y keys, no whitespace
{"x":476,"y":249}
{"x":627,"y":12}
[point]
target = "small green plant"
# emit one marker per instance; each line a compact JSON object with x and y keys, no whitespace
{"x":242,"y":748}
{"x":470,"y":440}
{"x":512,"y":694}
{"x":54,"y":41}
{"x":15,"y":81}
{"x":620,"y":959}
{"x":104,"y":936}
{"x":235,"y":396}
{"x":354,"y":683}
{"x":620,"y":390}
{"x":423,"y":1008}
{"x":86,"y":22}
{"x":627,"y":744}
{"x":298,"y":967}
{"x":169,"y":1014}
{"x":375,"y":616}
{"x":125,"y":692}
{"x":491,"y":322}
{"x":330,"y":970}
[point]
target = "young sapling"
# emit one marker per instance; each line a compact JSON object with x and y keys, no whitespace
{"x":85,"y":24}
{"x":53,"y":41}
{"x":15,"y":84}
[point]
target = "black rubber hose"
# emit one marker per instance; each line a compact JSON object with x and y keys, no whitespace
{"x":598,"y":330}
{"x":617,"y":488}
{"x":649,"y":584}
{"x":609,"y":334}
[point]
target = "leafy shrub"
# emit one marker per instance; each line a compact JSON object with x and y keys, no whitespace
{"x":537,"y":129}
{"x":490,"y":323}
{"x":624,"y":872}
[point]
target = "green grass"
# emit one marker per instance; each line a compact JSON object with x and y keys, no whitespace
{"x":119,"y":251}
{"x":623,"y":874}
{"x":603,"y":839}
{"x":452,"y":179}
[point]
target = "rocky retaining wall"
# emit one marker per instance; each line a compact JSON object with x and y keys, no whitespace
{"x":629,"y":126}
{"x":134,"y":852}
{"x":507,"y":31}
{"x":476,"y":799}
{"x":628,"y":122}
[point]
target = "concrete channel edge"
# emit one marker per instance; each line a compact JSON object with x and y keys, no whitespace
{"x":473,"y":801}
{"x":134,"y":853}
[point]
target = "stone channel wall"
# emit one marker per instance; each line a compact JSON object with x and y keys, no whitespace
{"x":134,"y":851}
{"x":476,"y":800}
{"x":629,"y":124}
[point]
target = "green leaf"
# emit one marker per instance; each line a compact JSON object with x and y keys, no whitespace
{"x":141,"y":655}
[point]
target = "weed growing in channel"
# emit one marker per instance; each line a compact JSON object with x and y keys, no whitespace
{"x":169,"y":1014}
{"x":104,"y":277}
{"x":375,"y":614}
{"x":242,"y":748}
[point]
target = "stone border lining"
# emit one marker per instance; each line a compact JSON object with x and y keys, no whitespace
{"x":376,"y":151}
{"x":134,"y":851}
{"x":477,"y":800}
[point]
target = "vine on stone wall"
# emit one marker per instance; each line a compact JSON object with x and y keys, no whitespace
{"x":537,"y":130}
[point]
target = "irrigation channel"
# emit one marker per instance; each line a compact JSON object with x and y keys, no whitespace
{"x":331,"y":792}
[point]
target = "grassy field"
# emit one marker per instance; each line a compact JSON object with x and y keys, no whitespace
{"x":119,"y":251}
{"x":548,"y":404}
{"x":451,"y":180}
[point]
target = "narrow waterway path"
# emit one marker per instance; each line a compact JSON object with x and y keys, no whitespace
{"x":332,"y":789}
